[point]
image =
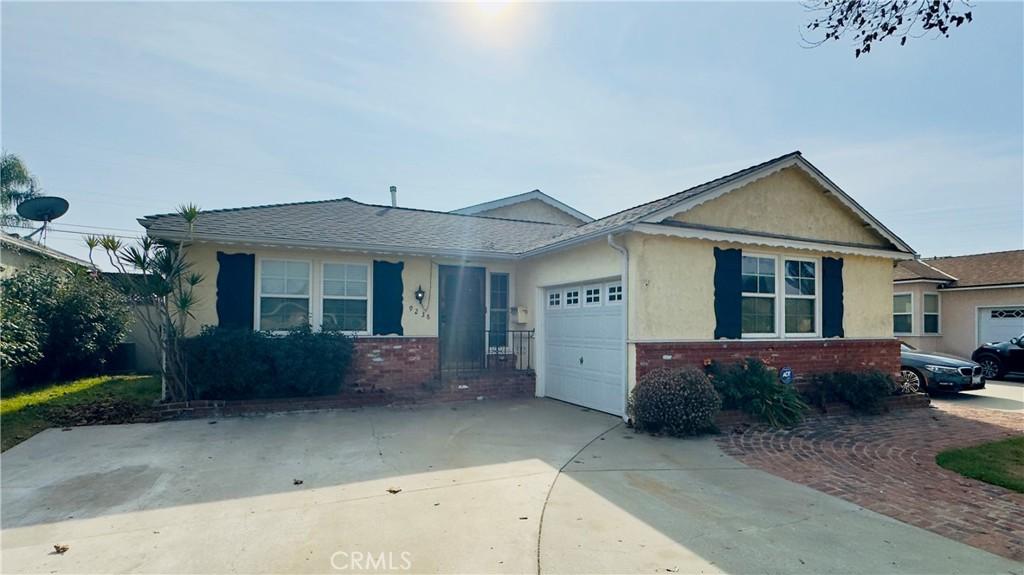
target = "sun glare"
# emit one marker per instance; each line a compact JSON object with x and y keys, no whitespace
{"x":490,"y":11}
{"x":496,"y":22}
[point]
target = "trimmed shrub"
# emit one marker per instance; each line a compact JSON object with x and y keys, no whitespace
{"x":60,"y":323}
{"x":754,"y":388}
{"x":863,"y":391}
{"x":20,"y":332}
{"x":676,"y":402}
{"x":244,"y":364}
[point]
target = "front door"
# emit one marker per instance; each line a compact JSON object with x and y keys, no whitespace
{"x":461,"y":316}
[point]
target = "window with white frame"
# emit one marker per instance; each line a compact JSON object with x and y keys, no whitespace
{"x":555,"y":299}
{"x":902,"y":313}
{"x":345,"y":297}
{"x":572,"y":297}
{"x":592,"y":296}
{"x":498,"y":314}
{"x":931,"y":313}
{"x":800,"y":297}
{"x":284,"y":294}
{"x":614,"y":293}
{"x":757,"y":313}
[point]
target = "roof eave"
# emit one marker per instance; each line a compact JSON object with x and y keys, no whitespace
{"x":347,"y":246}
{"x":763,"y":239}
{"x":577,"y":240}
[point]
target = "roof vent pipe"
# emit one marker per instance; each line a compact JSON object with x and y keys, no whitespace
{"x":394,"y":196}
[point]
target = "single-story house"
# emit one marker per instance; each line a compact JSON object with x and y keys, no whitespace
{"x":18,"y":253}
{"x":954,"y":304}
{"x":774,"y":261}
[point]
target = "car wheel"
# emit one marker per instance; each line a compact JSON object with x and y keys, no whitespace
{"x":991,"y":367}
{"x":911,"y":381}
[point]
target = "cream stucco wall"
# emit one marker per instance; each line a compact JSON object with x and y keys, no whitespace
{"x":672,"y":289}
{"x":417,"y":320}
{"x":534,"y":211}
{"x":670,"y":285}
{"x":591,"y":261}
{"x":787,"y":203}
{"x":867,"y":305}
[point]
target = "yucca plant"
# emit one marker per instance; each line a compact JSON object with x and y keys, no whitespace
{"x":159,"y":281}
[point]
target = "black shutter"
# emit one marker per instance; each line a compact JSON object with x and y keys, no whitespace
{"x":728,"y":293}
{"x":832,"y":297}
{"x":387,"y":298}
{"x":235,"y":290}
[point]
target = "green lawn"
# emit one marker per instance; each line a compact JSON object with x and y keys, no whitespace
{"x":107,"y":399}
{"x":999,"y":463}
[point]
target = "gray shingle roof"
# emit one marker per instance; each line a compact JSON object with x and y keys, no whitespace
{"x":917,"y":270}
{"x":637,"y":213}
{"x":976,"y":270}
{"x":346,"y":223}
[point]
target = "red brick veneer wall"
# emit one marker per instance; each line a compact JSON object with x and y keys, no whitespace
{"x":805,"y":357}
{"x":406,"y":369}
{"x":394,"y":364}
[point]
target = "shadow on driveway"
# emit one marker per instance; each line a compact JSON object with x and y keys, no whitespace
{"x":471,"y":484}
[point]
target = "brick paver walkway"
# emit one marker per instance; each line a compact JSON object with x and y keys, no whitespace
{"x":887,"y":464}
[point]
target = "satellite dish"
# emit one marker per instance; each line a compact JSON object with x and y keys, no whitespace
{"x":42,"y":209}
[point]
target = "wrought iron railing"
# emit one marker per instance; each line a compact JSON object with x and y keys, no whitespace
{"x":509,"y":349}
{"x":501,"y":350}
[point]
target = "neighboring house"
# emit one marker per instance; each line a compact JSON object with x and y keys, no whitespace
{"x":773,"y":261}
{"x":17,"y":253}
{"x":955,"y":304}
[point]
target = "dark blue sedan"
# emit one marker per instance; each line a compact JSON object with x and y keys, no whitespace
{"x":929,"y":372}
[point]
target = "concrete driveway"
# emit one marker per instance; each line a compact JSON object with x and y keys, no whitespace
{"x":1001,"y":395}
{"x":481,"y":492}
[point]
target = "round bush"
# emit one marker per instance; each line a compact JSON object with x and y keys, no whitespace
{"x":677,"y":402}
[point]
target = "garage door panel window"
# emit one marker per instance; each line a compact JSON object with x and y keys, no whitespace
{"x":284,"y":294}
{"x":555,"y":300}
{"x":758,"y":304}
{"x":592,"y":296}
{"x":345,"y":299}
{"x":931,"y":313}
{"x":572,"y":297}
{"x":614,"y":293}
{"x":902,"y":313}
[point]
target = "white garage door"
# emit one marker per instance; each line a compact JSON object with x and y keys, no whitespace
{"x":584,"y":350}
{"x":1000,"y":323}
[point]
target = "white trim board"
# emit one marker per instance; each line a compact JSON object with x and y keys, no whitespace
{"x":969,"y":288}
{"x":924,"y":281}
{"x":758,"y":240}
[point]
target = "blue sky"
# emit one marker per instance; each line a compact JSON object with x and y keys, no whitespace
{"x":131,"y":109}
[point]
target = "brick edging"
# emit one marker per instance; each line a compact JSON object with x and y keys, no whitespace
{"x":485,"y":386}
{"x":728,"y":418}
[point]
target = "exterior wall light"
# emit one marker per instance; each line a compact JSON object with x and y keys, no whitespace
{"x":419,"y":294}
